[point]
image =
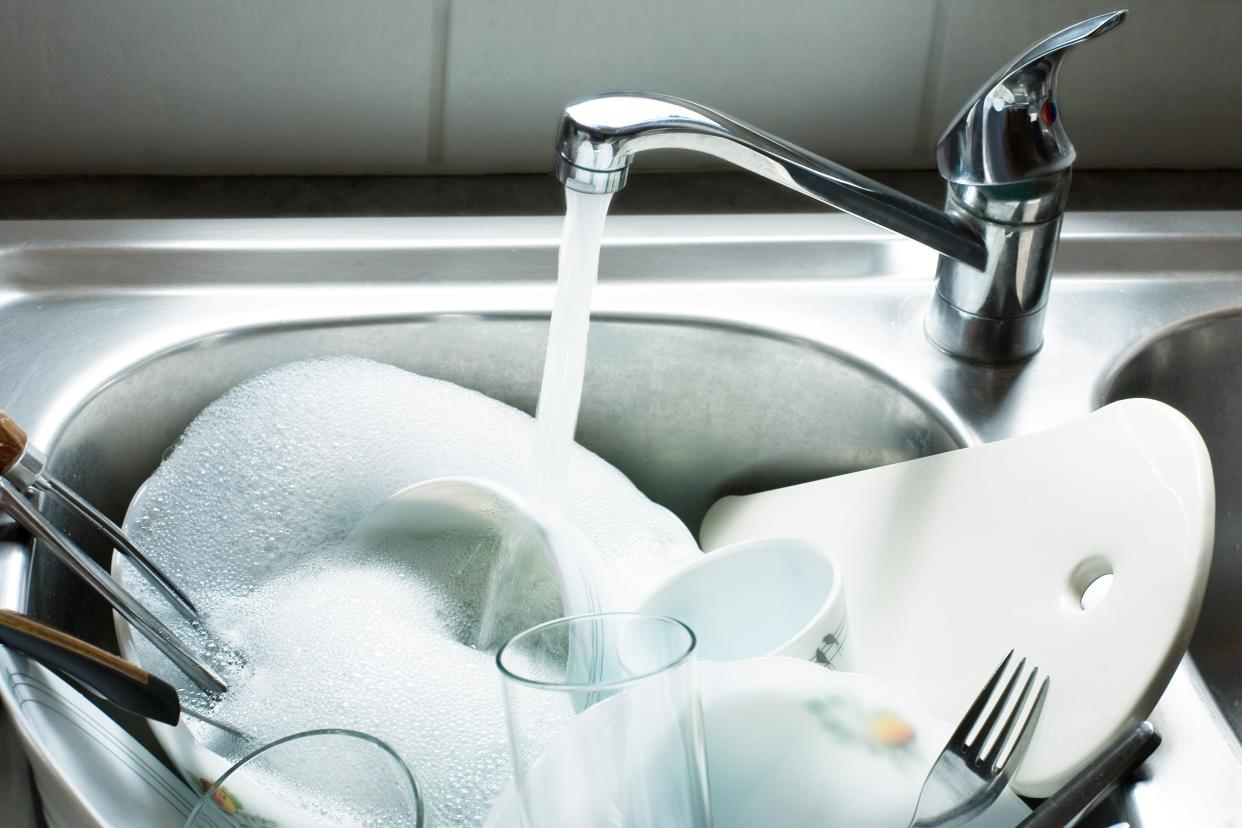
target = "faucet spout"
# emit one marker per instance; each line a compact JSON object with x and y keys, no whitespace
{"x":600,"y":135}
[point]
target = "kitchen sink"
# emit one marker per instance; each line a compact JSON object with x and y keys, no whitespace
{"x":729,"y":354}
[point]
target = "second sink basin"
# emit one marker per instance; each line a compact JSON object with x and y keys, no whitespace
{"x":1197,"y":368}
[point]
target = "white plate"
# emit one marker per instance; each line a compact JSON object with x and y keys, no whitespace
{"x":791,"y":744}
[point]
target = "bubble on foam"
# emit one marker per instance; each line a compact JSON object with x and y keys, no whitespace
{"x":249,"y":514}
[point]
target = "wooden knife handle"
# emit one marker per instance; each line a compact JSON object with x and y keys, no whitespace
{"x":12,"y":442}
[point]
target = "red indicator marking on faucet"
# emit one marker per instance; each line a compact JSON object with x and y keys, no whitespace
{"x":1048,"y":113}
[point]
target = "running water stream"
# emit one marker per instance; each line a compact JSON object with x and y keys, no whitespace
{"x":556,"y":417}
{"x":564,"y":364}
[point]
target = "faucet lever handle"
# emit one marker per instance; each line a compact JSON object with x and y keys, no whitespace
{"x":1010,"y":131}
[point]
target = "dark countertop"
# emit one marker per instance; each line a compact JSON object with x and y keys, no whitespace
{"x":493,"y":195}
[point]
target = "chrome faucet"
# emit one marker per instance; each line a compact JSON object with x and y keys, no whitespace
{"x":1005,"y":157}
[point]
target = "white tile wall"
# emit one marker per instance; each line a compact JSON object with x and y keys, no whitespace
{"x":408,"y":86}
{"x":834,"y":75}
{"x":233,"y":86}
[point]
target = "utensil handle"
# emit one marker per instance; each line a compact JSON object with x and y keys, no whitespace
{"x":126,"y":685}
{"x":1090,"y":785}
{"x":12,"y":442}
{"x":125,"y":604}
{"x":154,"y":575}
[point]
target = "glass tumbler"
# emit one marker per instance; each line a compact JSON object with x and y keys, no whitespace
{"x":605,"y":726}
{"x":339,"y":778}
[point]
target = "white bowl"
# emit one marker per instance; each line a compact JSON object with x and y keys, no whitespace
{"x":770,"y":597}
{"x":557,"y":563}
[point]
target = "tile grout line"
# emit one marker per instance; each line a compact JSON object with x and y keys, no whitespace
{"x":924,"y":135}
{"x":436,"y":103}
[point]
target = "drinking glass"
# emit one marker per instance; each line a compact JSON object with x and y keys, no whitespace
{"x":605,"y":726}
{"x":316,"y":778}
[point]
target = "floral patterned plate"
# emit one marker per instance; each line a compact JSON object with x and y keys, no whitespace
{"x":790,"y":744}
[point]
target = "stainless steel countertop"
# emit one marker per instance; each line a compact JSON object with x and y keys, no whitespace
{"x":703,"y":193}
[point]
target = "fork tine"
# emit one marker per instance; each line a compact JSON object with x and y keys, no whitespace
{"x":958,"y":739}
{"x":961,"y":785}
{"x":1026,"y":732}
{"x":1016,"y":714}
{"x":976,"y":747}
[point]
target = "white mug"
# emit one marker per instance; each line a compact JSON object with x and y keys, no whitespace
{"x":769,"y":597}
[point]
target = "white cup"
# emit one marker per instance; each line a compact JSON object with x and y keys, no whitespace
{"x":770,"y":597}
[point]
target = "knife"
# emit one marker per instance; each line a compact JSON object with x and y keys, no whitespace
{"x":105,"y":675}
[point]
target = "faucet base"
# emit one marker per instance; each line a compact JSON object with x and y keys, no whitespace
{"x":982,"y":339}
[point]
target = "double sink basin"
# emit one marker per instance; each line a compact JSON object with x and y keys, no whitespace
{"x":729,"y":354}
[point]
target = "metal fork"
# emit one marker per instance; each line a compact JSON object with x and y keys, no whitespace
{"x":965,"y":780}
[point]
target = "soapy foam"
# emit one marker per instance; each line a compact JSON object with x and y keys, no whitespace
{"x":321,"y":780}
{"x":250,"y":512}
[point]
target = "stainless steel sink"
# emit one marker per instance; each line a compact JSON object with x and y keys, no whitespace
{"x":731,"y":354}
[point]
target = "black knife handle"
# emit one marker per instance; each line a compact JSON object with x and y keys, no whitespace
{"x":126,"y":685}
{"x":1090,"y":785}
